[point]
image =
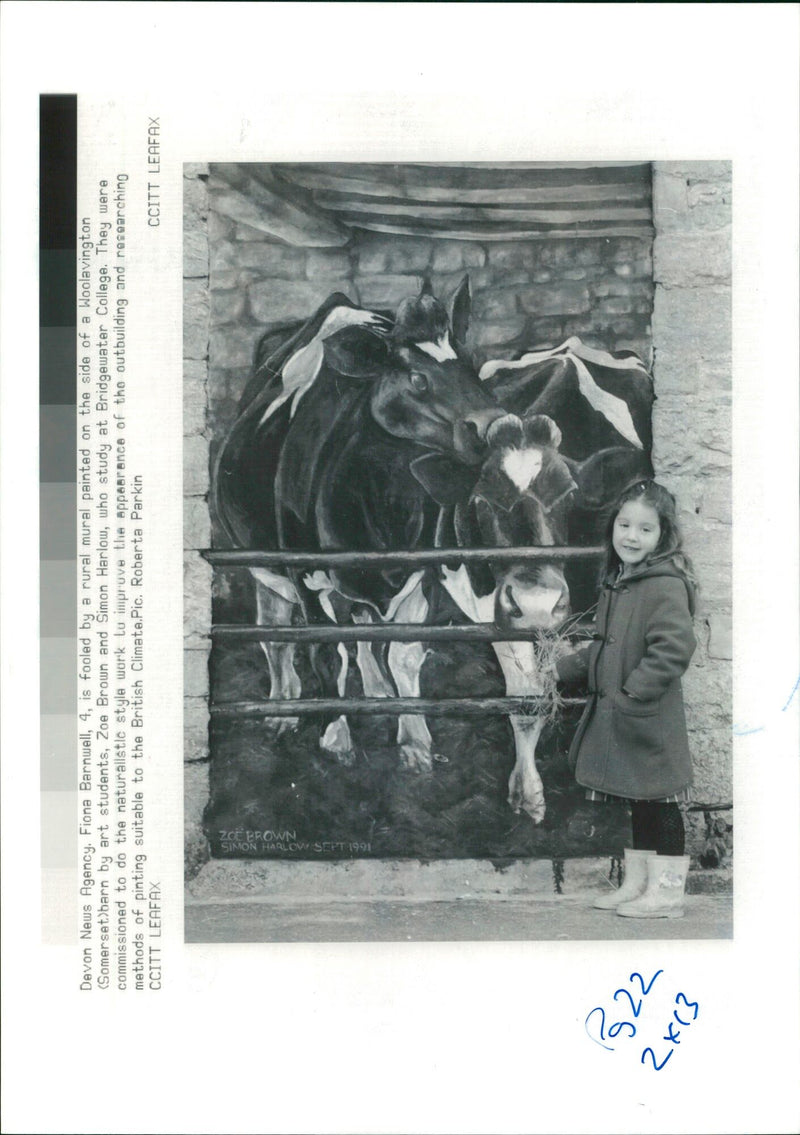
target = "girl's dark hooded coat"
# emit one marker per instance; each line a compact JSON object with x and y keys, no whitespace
{"x":631,"y":740}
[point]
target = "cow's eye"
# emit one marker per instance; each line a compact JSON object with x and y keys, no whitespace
{"x":419,"y":382}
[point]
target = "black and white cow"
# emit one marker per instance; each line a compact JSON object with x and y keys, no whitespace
{"x":525,"y":496}
{"x":602,"y":403}
{"x":521,"y":498}
{"x":598,"y":399}
{"x":321,"y":458}
{"x":586,"y":435}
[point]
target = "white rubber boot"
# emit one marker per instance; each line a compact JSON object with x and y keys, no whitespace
{"x":666,"y":885}
{"x":634,"y":882}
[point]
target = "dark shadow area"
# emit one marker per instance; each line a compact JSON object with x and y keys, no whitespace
{"x":276,"y":794}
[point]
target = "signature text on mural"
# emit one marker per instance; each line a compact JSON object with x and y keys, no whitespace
{"x":238,"y":840}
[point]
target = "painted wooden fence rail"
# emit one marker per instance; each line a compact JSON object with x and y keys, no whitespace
{"x":252,"y":558}
{"x":400,"y":632}
{"x":372,"y":632}
{"x":387,"y":707}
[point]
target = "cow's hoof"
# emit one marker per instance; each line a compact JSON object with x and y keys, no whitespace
{"x":534,"y":808}
{"x":275,"y":727}
{"x":535,"y":811}
{"x":416,"y":758}
{"x":337,"y":742}
{"x":345,"y":757}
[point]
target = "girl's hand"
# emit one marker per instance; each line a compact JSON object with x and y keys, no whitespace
{"x":570,"y":663}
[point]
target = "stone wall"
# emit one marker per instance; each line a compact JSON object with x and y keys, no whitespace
{"x":692,"y":449}
{"x":196,"y":521}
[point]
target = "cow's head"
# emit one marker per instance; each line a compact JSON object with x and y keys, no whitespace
{"x":425,"y":386}
{"x":521,"y":499}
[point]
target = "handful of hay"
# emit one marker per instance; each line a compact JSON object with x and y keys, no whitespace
{"x":549,"y":647}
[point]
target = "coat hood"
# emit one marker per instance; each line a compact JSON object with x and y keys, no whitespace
{"x":659,"y":566}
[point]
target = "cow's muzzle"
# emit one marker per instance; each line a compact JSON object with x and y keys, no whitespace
{"x":531,"y":599}
{"x":469,"y":434}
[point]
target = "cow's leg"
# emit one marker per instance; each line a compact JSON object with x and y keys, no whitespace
{"x":405,"y":662}
{"x":337,"y":739}
{"x":276,"y":599}
{"x":376,"y":684}
{"x":521,"y":673}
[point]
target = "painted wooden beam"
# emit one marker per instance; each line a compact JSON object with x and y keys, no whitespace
{"x":327,"y":187}
{"x":251,"y":202}
{"x":630,"y":164}
{"x":489,"y":176}
{"x":497,"y":232}
{"x":471,"y":214}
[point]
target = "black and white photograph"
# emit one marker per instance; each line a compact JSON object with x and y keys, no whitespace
{"x":399,"y":609}
{"x":388,"y":366}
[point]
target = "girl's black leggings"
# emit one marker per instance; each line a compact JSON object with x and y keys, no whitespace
{"x":657,"y":827}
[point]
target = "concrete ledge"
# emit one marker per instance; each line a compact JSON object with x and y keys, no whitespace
{"x":499,"y":919}
{"x":221,"y":881}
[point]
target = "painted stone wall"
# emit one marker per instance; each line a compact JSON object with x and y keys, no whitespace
{"x":525,"y":293}
{"x":692,"y":452}
{"x":239,"y":281}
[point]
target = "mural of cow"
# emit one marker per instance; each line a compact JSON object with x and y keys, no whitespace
{"x":321,"y":458}
{"x":521,"y":498}
{"x":362,"y":433}
{"x":525,"y":495}
{"x":602,"y":404}
{"x":592,"y":406}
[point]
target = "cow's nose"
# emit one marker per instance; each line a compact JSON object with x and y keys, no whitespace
{"x":470,"y":433}
{"x":478,"y":422}
{"x":561,"y":609}
{"x":510,"y":605}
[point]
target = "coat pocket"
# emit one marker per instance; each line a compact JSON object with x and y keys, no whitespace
{"x":636,"y":735}
{"x":633,"y":707}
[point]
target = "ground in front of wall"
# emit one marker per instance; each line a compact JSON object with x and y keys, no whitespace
{"x":560,"y":918}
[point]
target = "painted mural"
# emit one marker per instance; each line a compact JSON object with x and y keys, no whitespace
{"x":416,"y":404}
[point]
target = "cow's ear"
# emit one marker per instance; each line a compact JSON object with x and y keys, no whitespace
{"x":447,"y":482}
{"x":603,"y":476}
{"x":356,"y":352}
{"x":539,"y":429}
{"x":459,"y":310}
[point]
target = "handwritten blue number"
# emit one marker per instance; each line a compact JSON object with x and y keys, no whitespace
{"x":615,"y":1029}
{"x":602,"y":1013}
{"x":672,"y":1036}
{"x":645,"y":991}
{"x":636,"y":1008}
{"x":657,"y":1067}
{"x":689,"y":1005}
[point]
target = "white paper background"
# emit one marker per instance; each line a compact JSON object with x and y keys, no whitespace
{"x":416,"y":1037}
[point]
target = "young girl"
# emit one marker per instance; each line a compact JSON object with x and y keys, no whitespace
{"x":631,"y":742}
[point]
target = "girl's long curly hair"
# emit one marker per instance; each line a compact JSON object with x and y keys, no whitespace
{"x":670,"y":543}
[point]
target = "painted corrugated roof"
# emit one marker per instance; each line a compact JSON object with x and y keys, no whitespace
{"x":475,"y":201}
